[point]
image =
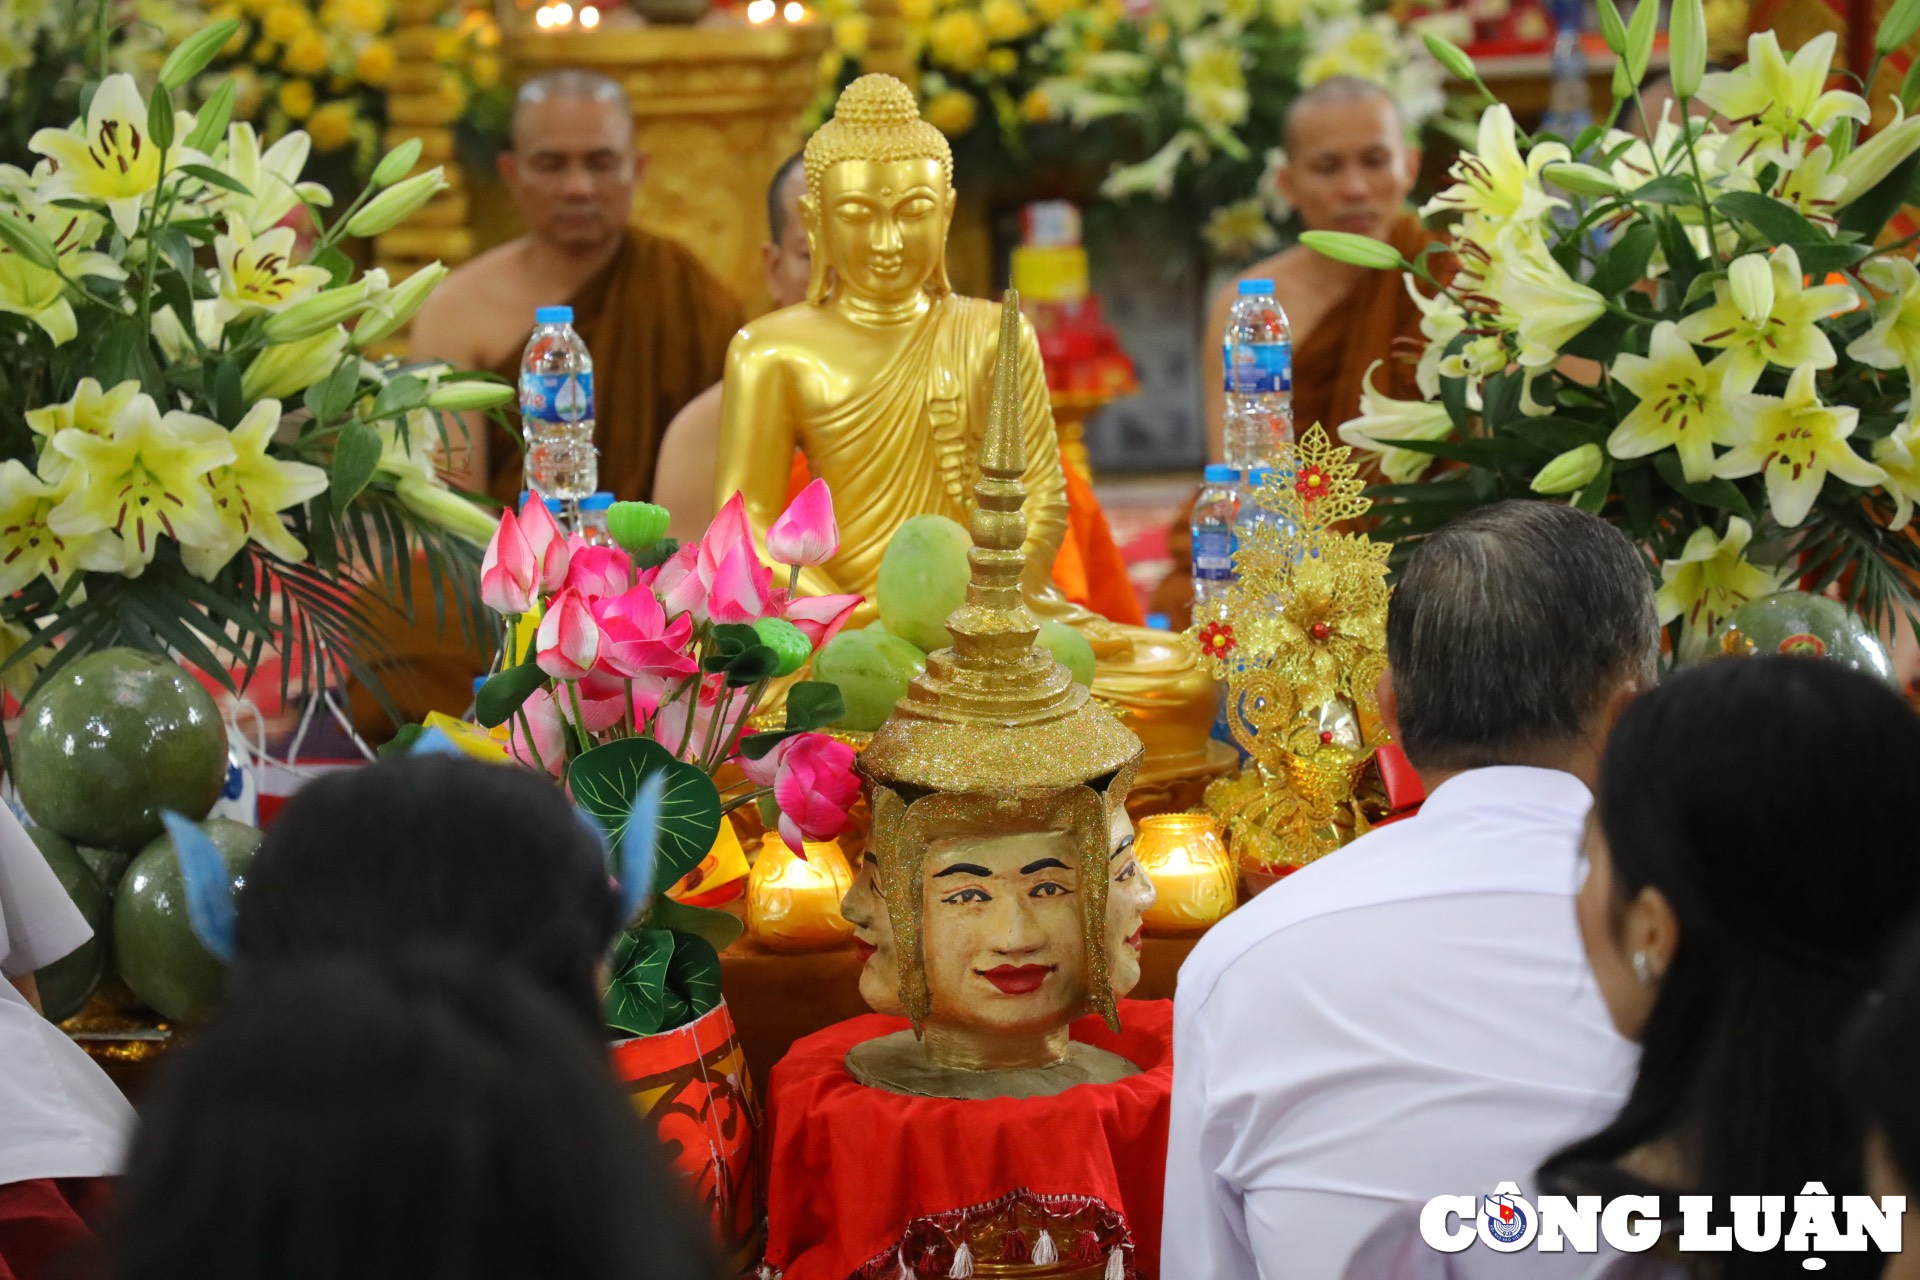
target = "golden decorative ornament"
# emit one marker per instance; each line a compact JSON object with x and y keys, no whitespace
{"x":1193,"y":874}
{"x":1301,"y":640}
{"x":997,"y":788}
{"x":794,"y":904}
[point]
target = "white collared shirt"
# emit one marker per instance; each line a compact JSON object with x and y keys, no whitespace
{"x":1410,"y":1017}
{"x":60,"y":1117}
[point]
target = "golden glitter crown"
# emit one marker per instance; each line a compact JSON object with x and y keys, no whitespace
{"x":995,"y":737}
{"x":996,"y":712}
{"x":1301,"y":641}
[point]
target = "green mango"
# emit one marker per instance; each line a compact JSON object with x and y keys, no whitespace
{"x":153,"y":942}
{"x":923,"y":578}
{"x":1808,"y":625}
{"x":1070,"y":649}
{"x":873,"y":669}
{"x":111,"y":740}
{"x":69,"y":982}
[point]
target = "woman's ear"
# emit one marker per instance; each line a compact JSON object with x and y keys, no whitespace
{"x":1649,"y":927}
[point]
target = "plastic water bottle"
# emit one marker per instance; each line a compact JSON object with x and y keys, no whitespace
{"x":1257,"y":365}
{"x":1252,"y":516}
{"x":556,"y":409}
{"x":1214,"y":514}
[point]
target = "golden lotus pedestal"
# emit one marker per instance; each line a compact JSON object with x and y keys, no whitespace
{"x":716,"y":109}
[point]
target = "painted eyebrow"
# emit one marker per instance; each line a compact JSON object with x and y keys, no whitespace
{"x":1123,"y":847}
{"x":965,"y":869}
{"x":1042,"y":865}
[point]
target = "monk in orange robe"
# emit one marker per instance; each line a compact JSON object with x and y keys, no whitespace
{"x":1349,"y":169}
{"x":655,"y":320}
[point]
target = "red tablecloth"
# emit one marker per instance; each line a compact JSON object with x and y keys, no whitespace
{"x":852,"y":1168}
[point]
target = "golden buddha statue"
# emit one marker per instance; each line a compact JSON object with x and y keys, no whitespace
{"x":881,"y":378}
{"x":996,"y":787}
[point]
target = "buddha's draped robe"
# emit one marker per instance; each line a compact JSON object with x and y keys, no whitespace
{"x":657,"y":324}
{"x":1377,"y":320}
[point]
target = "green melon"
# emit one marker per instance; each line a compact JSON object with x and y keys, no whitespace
{"x":873,"y":669}
{"x":923,"y":578}
{"x":69,"y":982}
{"x":1807,"y":625}
{"x":153,"y":941}
{"x":110,"y":741}
{"x":1070,"y":649}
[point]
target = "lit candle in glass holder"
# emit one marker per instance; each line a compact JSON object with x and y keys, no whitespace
{"x":794,"y":905}
{"x":1192,"y":873}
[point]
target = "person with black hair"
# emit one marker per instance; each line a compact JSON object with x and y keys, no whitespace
{"x":434,"y":849}
{"x":1412,"y":1015}
{"x":1750,"y":868}
{"x":425,"y":1118}
{"x":1883,"y":1061}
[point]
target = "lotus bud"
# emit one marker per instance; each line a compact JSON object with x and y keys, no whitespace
{"x":456,"y":397}
{"x":396,"y":164}
{"x":313,"y":315}
{"x":1582,"y":179}
{"x":1574,"y":469}
{"x":636,"y":526}
{"x":399,"y":202}
{"x":1750,"y":277}
{"x":388,"y":312}
{"x":1360,"y":251}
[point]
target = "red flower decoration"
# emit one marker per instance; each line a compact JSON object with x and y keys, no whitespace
{"x":1216,"y":638}
{"x":1312,"y":483}
{"x":1319,"y":631}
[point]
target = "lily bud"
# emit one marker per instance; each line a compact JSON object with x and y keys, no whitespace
{"x":285,"y":369}
{"x":1612,"y":30}
{"x":1641,"y":28}
{"x":314,"y":315}
{"x":195,"y":52}
{"x":1866,"y":165}
{"x":1750,"y":277}
{"x":1452,"y":57}
{"x":1574,"y":469}
{"x":1581,"y":179}
{"x":396,"y":164}
{"x":445,"y":509}
{"x":457,"y":397}
{"x":1360,"y":251}
{"x":401,"y":201}
{"x":388,"y":312}
{"x":1687,"y":46}
{"x":636,"y":526}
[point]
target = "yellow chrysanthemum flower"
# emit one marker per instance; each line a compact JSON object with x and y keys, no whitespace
{"x":1036,"y":107}
{"x":307,"y":54}
{"x":286,"y":22}
{"x":952,"y":112}
{"x":1002,"y":63}
{"x":296,"y":99}
{"x":485,"y":70}
{"x":959,"y":40}
{"x":1006,"y":19}
{"x":850,"y":34}
{"x":375,"y":63}
{"x":331,"y":127}
{"x":1051,"y":11}
{"x":916,"y":13}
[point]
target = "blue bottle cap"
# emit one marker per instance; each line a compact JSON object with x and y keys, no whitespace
{"x":1157,"y":622}
{"x":1220,"y":473}
{"x":596,"y":502}
{"x":477,"y":682}
{"x":1255,"y":288}
{"x":553,"y":315}
{"x":1258,"y":476}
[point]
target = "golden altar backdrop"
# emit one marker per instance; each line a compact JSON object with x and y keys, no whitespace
{"x":716,"y":108}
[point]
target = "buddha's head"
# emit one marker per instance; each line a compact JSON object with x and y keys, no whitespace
{"x":879,"y":197}
{"x":1129,"y":894}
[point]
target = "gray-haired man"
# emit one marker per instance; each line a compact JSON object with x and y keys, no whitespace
{"x":1413,"y":1016}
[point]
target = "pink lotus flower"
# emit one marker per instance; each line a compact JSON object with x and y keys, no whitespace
{"x":568,"y":643}
{"x":597,"y":571}
{"x":713,"y":702}
{"x":508,"y":572}
{"x":813,"y":783}
{"x":728,"y":530}
{"x":679,"y":585}
{"x":544,"y":539}
{"x":820,"y":617}
{"x":602,"y":699}
{"x":740,"y":587}
{"x":805,"y":533}
{"x":636,"y":639}
{"x":542,"y":715}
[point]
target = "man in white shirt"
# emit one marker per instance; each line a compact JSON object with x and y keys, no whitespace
{"x":63,"y":1124}
{"x":1413,"y":1016}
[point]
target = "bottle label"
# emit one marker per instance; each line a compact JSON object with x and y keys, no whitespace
{"x":1213,"y":556}
{"x":1262,"y":368}
{"x":556,"y":397}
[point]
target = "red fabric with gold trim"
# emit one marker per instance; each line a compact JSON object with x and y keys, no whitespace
{"x":854,"y":1172}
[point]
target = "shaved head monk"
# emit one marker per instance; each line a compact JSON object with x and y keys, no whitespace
{"x":656,"y":321}
{"x":1349,"y":168}
{"x":683,"y":483}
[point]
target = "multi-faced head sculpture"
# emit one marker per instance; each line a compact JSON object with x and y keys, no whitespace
{"x":998,"y":791}
{"x":879,"y":197}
